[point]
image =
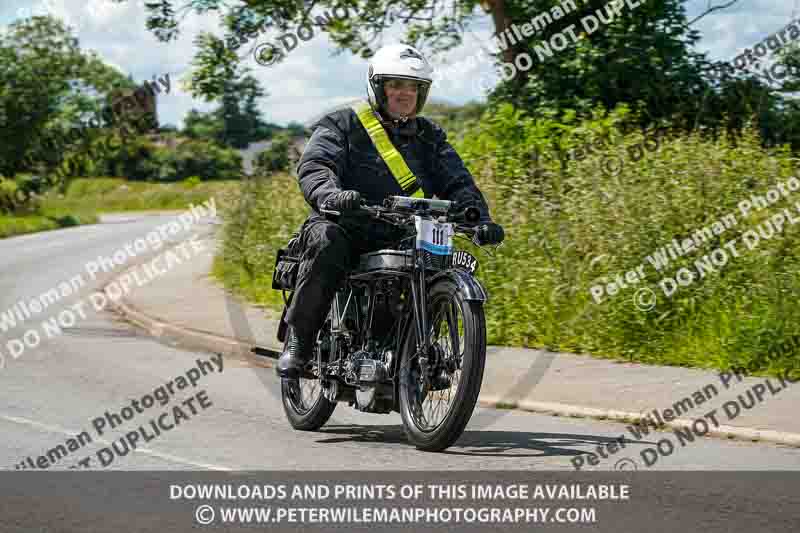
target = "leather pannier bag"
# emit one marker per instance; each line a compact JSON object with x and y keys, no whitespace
{"x":287,"y":265}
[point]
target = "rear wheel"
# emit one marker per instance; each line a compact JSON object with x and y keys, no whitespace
{"x":305,"y":405}
{"x":438,"y":391}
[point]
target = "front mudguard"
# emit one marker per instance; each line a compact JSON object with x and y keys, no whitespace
{"x":467,"y":284}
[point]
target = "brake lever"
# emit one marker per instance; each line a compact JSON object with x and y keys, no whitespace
{"x":374,"y":211}
{"x":361,"y":209}
{"x":483,"y":247}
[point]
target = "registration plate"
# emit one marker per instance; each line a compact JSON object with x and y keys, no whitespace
{"x":465,"y":260}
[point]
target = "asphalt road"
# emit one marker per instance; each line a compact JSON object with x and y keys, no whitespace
{"x":55,"y":391}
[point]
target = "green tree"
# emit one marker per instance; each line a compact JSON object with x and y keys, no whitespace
{"x":240,"y":111}
{"x":217,"y":76}
{"x":625,"y":61}
{"x":640,"y":56}
{"x":353,"y":26}
{"x":39,"y":59}
{"x":49,"y":92}
{"x":296,"y":129}
{"x":211,"y":126}
{"x":276,"y":157}
{"x":199,"y":125}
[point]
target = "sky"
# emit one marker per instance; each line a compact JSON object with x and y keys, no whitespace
{"x":313,"y":78}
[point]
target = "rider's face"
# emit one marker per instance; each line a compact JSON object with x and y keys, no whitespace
{"x":401,"y":96}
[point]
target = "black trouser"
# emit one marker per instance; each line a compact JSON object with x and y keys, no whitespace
{"x":330,"y":251}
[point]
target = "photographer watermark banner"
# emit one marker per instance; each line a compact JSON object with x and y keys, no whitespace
{"x":394,"y":501}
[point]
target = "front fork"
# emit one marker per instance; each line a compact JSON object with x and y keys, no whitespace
{"x":419,"y":293}
{"x":418,"y":297}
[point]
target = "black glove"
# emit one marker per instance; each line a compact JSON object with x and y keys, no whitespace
{"x":490,"y":233}
{"x":344,"y":201}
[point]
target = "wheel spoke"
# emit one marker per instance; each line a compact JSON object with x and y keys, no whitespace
{"x":304,"y":393}
{"x":431,"y":407}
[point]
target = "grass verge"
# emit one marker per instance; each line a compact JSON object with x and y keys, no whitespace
{"x":104,"y":195}
{"x":20,"y":225}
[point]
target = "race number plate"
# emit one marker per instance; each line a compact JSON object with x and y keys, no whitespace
{"x":465,"y":260}
{"x":435,"y":237}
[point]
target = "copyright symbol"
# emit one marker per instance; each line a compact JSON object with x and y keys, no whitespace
{"x":267,"y":54}
{"x":625,"y":464}
{"x":644,"y":299}
{"x":204,"y":515}
{"x":612,"y":165}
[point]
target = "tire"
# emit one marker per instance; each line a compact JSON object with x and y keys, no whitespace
{"x":302,"y":416}
{"x":449,"y":429}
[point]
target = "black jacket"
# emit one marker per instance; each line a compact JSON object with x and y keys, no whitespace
{"x":340,"y":155}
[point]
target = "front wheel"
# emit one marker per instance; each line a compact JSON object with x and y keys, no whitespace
{"x":439,"y":390}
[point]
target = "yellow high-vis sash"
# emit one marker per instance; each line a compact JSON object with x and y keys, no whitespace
{"x":391,"y":156}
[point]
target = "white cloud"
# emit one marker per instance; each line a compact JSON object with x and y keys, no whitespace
{"x":726,"y":33}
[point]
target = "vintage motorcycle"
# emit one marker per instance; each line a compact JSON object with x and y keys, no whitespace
{"x":406,"y":331}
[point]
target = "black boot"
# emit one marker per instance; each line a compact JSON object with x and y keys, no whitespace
{"x":299,"y":351}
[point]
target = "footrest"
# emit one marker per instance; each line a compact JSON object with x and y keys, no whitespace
{"x":265,"y":352}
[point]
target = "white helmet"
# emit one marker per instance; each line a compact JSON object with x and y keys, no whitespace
{"x":397,"y":61}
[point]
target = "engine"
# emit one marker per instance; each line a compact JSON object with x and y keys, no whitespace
{"x":374,"y":392}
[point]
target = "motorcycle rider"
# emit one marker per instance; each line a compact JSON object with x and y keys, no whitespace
{"x":341,"y":165}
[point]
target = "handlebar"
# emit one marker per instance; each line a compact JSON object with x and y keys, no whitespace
{"x":469,"y":214}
